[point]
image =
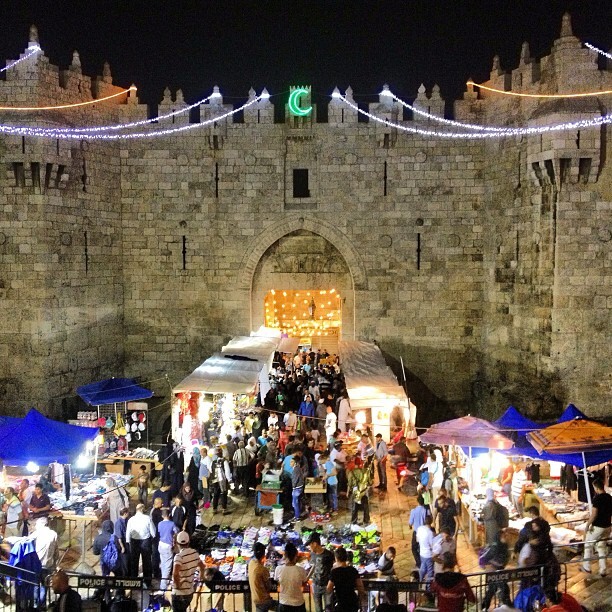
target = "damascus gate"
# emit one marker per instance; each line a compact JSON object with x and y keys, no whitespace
{"x":483,"y":263}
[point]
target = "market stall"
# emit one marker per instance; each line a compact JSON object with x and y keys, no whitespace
{"x":226,"y":384}
{"x":470,"y":432}
{"x":373,"y":388}
{"x":120,"y":412}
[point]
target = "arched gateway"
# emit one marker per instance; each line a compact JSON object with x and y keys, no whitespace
{"x":302,"y":278}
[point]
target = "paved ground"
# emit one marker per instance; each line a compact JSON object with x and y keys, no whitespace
{"x":390,"y":512}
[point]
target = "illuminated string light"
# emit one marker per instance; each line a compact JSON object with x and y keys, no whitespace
{"x":33,"y":51}
{"x":133,"y":136}
{"x":593,"y":48}
{"x":529,"y":95}
{"x":65,"y":106}
{"x":559,"y":127}
{"x":119,"y":126}
{"x":468,"y":126}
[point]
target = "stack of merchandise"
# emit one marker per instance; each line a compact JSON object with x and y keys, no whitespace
{"x":231,"y":549}
{"x":86,"y":495}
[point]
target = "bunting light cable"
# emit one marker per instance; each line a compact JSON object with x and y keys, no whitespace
{"x":576,"y":125}
{"x":65,"y":106}
{"x":594,"y":48}
{"x":120,"y":126}
{"x":34,"y":49}
{"x":24,"y":131}
{"x":530,"y":95}
{"x":469,"y":126}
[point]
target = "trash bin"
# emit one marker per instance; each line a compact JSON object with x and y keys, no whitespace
{"x":277,"y":514}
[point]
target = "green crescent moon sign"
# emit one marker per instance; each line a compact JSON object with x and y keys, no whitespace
{"x":294,"y":102}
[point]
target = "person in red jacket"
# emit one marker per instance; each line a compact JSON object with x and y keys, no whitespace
{"x":452,"y":588}
{"x":561,"y":602}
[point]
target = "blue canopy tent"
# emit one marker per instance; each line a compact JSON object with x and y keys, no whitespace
{"x":113,"y":391}
{"x":524,"y":448}
{"x":571,"y":413}
{"x":41,"y":440}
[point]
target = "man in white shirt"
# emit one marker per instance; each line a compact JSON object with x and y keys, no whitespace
{"x":338,"y":456}
{"x":45,"y":542}
{"x":140,"y":532}
{"x":425,"y":538}
{"x":442,"y":543}
{"x":290,"y":420}
{"x":330,"y":423}
{"x":345,"y":414}
{"x":186,"y":562}
{"x":436,"y":477}
{"x":517,"y":490}
{"x":382,"y":454}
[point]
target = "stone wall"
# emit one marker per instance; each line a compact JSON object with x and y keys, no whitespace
{"x":483,"y":264}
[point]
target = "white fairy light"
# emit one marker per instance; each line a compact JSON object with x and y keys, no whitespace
{"x":33,"y":50}
{"x":36,"y":132}
{"x":504,"y":132}
{"x":119,"y":126}
{"x":593,"y":48}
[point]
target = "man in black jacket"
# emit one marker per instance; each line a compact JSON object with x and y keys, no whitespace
{"x":68,"y":598}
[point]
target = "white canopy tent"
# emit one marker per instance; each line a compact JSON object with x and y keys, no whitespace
{"x":370,"y":383}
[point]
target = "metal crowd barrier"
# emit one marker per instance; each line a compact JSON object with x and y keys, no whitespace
{"x":236,"y":597}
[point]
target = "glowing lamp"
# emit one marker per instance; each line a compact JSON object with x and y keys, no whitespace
{"x":32,"y":467}
{"x":82,"y":462}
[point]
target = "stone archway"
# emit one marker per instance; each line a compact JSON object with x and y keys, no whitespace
{"x":261,"y":243}
{"x":304,"y":261}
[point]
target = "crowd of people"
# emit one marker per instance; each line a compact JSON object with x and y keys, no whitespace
{"x":300,"y":429}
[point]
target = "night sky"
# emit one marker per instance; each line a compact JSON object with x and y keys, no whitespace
{"x":239,"y":44}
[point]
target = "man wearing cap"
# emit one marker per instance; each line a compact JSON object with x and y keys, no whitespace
{"x":186,"y":563}
{"x":322,"y":561}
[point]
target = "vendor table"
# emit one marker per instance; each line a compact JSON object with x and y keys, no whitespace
{"x":86,"y":520}
{"x":266,"y":498}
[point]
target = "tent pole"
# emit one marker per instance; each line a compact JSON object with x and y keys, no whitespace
{"x":95,"y":471}
{"x":586,"y":482}
{"x":471,"y":483}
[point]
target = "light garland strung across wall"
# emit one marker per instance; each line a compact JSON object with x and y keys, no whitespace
{"x":27,"y":131}
{"x":33,"y":50}
{"x":530,"y":95}
{"x":65,"y":106}
{"x":593,"y":48}
{"x":467,"y":126}
{"x":559,"y":127}
{"x":119,"y":126}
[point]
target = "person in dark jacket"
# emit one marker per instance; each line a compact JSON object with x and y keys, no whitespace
{"x":102,"y":539}
{"x":68,"y":598}
{"x":452,"y":588}
{"x":120,"y":533}
{"x":496,"y":557}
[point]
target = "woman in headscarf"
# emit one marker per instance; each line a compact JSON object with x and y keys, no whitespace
{"x":116,"y":498}
{"x":193,"y":474}
{"x":187,"y":495}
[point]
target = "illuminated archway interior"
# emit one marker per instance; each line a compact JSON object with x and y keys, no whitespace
{"x":304,"y":314}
